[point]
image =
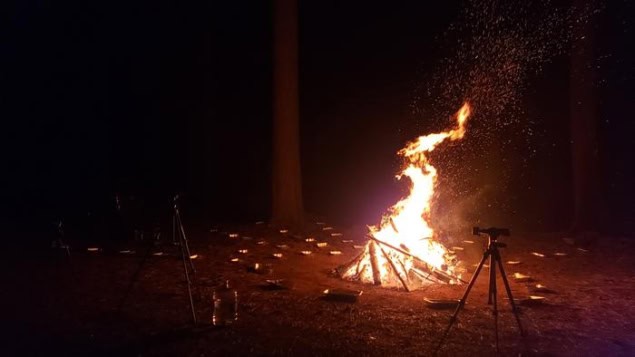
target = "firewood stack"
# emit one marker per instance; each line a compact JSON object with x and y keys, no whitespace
{"x":385,"y":265}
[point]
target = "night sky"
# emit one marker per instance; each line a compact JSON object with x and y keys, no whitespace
{"x":149,"y":98}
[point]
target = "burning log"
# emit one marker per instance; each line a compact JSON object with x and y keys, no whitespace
{"x":394,"y":268}
{"x":441,"y":274}
{"x":372,"y":249}
{"x":419,"y":269}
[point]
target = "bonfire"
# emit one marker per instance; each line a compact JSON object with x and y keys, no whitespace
{"x":403,"y":251}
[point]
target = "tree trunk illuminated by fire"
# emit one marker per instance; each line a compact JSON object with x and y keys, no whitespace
{"x":286,"y":179}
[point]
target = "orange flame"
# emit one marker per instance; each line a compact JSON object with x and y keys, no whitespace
{"x":407,"y":223}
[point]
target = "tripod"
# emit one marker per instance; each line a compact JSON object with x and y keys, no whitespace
{"x":495,"y":260}
{"x":178,"y":233}
{"x":178,"y":238}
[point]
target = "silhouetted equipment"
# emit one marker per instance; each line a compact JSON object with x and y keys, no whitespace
{"x":178,"y":234}
{"x":495,"y":260}
{"x":178,"y":238}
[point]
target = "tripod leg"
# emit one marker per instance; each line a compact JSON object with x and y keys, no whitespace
{"x":462,"y":301}
{"x":189,"y":283}
{"x":493,"y":292}
{"x":183,"y":242}
{"x":509,"y":295}
{"x":492,"y":279}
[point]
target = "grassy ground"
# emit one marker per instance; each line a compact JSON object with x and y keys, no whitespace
{"x":53,"y":306}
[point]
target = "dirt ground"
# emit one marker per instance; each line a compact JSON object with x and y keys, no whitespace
{"x":53,"y":306}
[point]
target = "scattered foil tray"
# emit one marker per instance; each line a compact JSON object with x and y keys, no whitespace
{"x":441,"y":303}
{"x":341,"y":295}
{"x":531,"y":300}
{"x":539,"y":288}
{"x":522,"y":278}
{"x":259,"y":268}
{"x":277,"y":284}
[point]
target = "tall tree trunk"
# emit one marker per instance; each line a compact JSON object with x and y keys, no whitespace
{"x":287,"y":184}
{"x":583,"y":107}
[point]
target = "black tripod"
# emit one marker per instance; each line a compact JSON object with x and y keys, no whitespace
{"x":178,"y":238}
{"x":495,"y":259}
{"x":178,"y":233}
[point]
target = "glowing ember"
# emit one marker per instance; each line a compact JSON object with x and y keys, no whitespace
{"x":403,"y":243}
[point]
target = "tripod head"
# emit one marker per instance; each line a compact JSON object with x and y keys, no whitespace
{"x":492,"y":232}
{"x":176,"y":200}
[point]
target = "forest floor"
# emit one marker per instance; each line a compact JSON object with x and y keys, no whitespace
{"x":53,"y":305}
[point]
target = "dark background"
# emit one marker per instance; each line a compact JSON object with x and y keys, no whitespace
{"x":148,"y":98}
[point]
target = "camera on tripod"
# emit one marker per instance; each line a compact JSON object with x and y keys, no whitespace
{"x":493,"y":254}
{"x":491,"y":231}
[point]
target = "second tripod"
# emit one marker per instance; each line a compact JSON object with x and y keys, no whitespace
{"x":179,"y":238}
{"x":495,"y":260}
